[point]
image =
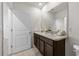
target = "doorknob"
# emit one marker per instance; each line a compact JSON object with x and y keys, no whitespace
{"x":29,"y":32}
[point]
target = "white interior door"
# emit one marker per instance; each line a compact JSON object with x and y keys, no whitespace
{"x":21,"y":36}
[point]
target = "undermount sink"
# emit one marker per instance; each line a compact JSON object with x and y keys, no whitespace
{"x":50,"y":32}
{"x":54,"y":33}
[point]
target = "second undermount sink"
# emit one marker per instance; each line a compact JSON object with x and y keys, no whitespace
{"x":55,"y":33}
{"x":48,"y":33}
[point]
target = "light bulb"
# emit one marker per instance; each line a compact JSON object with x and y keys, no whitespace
{"x":40,"y":4}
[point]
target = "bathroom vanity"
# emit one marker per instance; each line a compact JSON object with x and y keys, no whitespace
{"x":50,"y":45}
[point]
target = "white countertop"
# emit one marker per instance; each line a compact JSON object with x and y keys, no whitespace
{"x":52,"y":36}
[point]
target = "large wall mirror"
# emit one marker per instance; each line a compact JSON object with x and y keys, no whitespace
{"x":56,"y":19}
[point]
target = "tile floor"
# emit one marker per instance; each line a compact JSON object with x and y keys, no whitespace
{"x":31,"y":52}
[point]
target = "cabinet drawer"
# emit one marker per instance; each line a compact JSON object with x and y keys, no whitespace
{"x":36,"y":35}
{"x":60,"y":43}
{"x":47,"y":40}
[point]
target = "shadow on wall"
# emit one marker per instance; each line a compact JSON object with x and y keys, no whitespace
{"x":23,"y":18}
{"x":31,"y":18}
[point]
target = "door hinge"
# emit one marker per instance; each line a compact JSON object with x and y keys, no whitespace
{"x":11,"y":30}
{"x":11,"y":46}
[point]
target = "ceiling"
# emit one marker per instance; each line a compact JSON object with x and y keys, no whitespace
{"x":34,"y":4}
{"x":58,"y":8}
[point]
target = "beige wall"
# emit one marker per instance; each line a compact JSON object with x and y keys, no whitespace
{"x":73,"y":27}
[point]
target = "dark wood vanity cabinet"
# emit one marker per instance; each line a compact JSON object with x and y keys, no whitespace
{"x":49,"y":47}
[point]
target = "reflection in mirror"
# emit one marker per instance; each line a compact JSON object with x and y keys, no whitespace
{"x":55,"y":20}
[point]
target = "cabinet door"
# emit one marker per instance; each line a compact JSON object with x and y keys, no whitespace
{"x":48,"y":50}
{"x":59,"y":51}
{"x":42,"y":46}
{"x":59,"y":48}
{"x":38,"y":43}
{"x":35,"y":40}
